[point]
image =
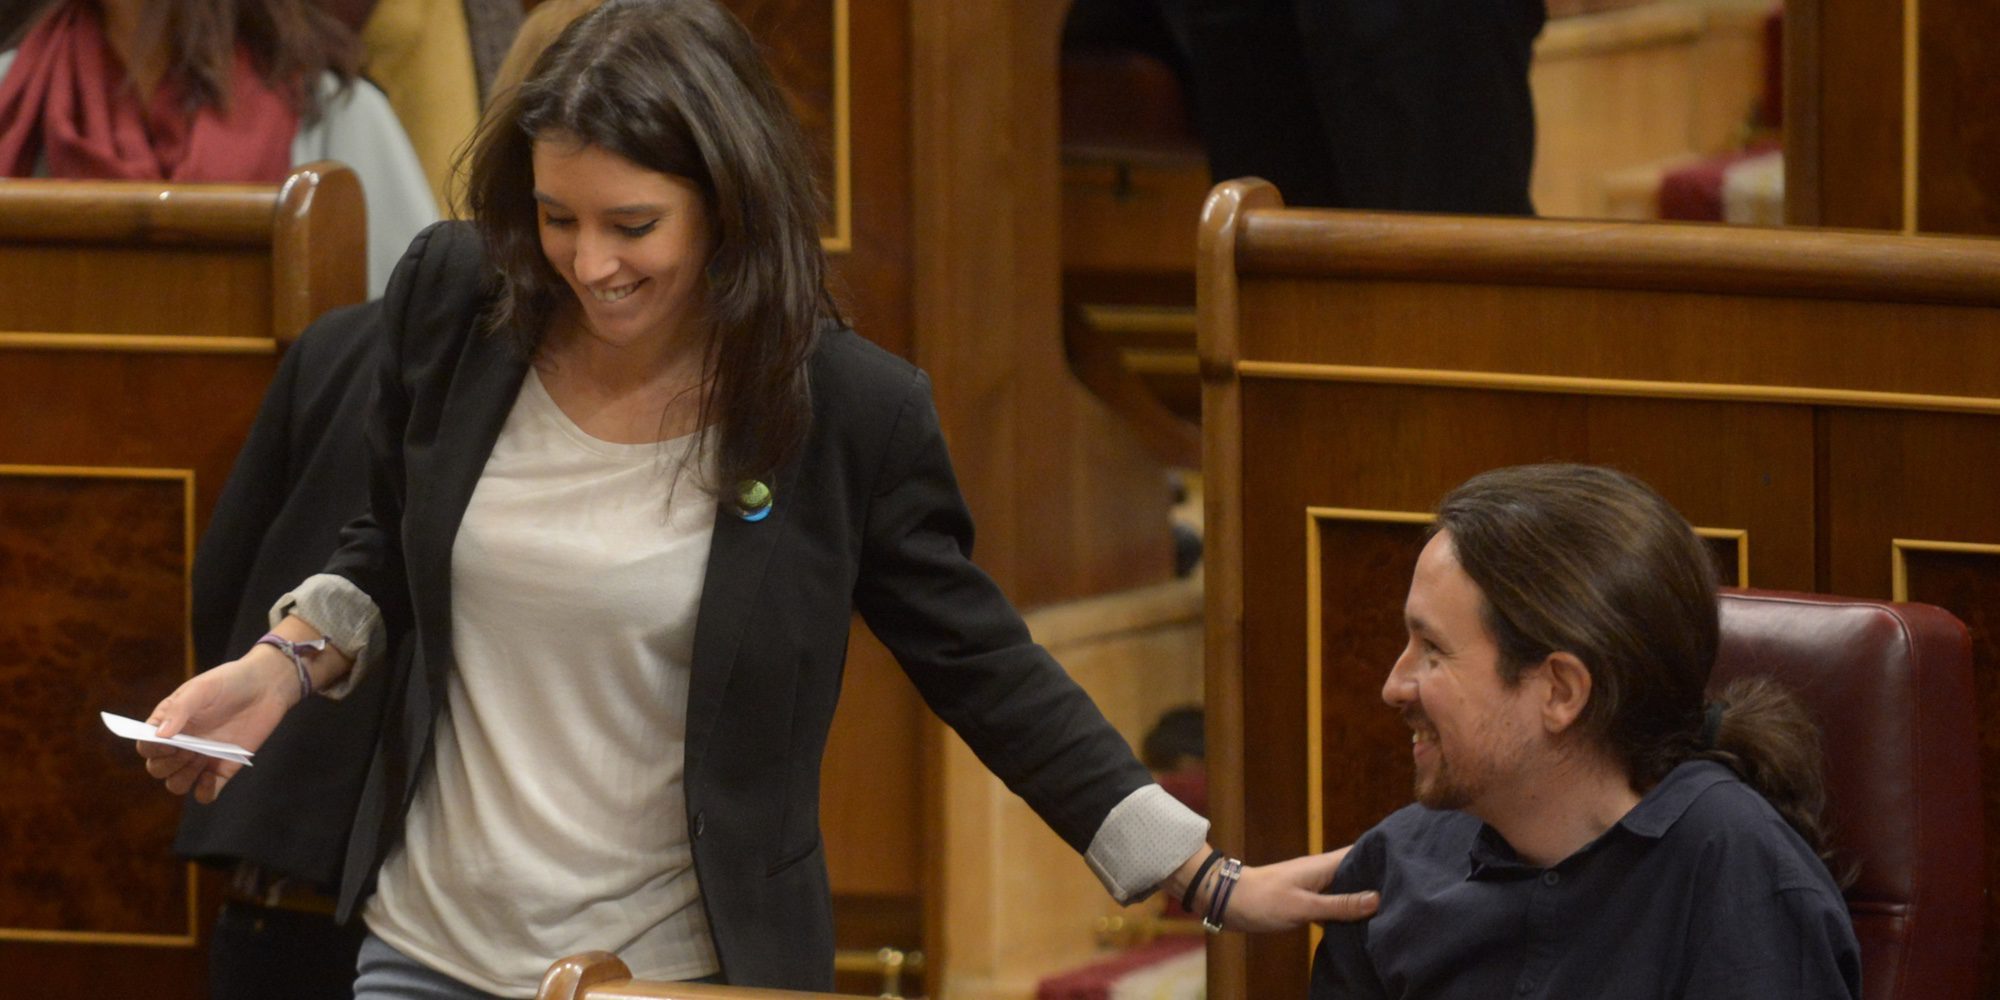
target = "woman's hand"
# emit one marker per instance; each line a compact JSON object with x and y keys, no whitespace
{"x":1288,"y":894}
{"x":1278,"y":897}
{"x":238,"y":702}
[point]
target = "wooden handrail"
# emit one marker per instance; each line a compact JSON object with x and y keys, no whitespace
{"x":600,"y":975}
{"x":124,"y":212}
{"x":1869,"y":267}
{"x":312,"y":226}
{"x":889,"y":963}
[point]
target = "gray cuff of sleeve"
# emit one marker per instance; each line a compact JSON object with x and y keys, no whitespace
{"x":341,"y":612}
{"x":1142,"y":841}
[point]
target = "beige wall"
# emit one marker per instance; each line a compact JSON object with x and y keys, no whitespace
{"x":1637,"y":89}
{"x":1019,"y":903}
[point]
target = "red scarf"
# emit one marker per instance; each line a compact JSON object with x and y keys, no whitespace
{"x":67,"y":107}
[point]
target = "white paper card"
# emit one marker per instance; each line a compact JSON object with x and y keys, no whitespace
{"x":133,"y":729}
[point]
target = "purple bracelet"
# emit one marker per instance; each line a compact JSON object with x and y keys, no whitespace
{"x":298,"y":653}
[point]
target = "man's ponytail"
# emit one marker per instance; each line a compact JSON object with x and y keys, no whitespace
{"x":1766,"y":736}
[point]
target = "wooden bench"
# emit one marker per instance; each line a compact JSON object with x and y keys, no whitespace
{"x":1824,"y":405}
{"x":139,"y":325}
{"x":600,"y":975}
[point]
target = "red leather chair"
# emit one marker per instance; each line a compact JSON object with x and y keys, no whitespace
{"x":1891,"y":686}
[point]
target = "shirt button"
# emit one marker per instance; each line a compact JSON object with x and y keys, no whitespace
{"x":698,"y":824}
{"x":1551,"y":878}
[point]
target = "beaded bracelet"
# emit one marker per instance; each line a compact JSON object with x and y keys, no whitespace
{"x":1218,"y":904}
{"x":1187,"y":898}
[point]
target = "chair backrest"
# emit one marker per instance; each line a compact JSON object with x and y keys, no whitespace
{"x":1891,"y":686}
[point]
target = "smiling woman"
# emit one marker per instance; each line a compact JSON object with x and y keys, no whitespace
{"x":624,"y":357}
{"x":694,"y":105}
{"x":591,"y":747}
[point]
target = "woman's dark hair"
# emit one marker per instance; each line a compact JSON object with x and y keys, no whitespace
{"x":677,"y":87}
{"x":291,"y":42}
{"x":1592,"y":562}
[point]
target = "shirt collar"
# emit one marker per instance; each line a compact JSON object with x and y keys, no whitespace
{"x":1662,"y":807}
{"x":1491,"y":857}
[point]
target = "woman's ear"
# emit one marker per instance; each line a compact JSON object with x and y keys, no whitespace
{"x":1568,"y":691}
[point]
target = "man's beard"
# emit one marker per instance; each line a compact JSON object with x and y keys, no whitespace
{"x":1441,"y":789}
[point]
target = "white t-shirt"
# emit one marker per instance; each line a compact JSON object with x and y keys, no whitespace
{"x":555,"y":820}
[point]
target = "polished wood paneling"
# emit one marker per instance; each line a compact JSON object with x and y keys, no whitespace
{"x":1886,"y":114}
{"x":1581,"y":255}
{"x":1121,"y":218}
{"x":199,"y":292}
{"x":1061,"y":515}
{"x":1844,"y":140}
{"x":873,"y":277}
{"x":180,"y":410}
{"x":95,"y":583}
{"x":1922,"y":478}
{"x":875,"y":782}
{"x":1958,"y":185}
{"x":1025,"y":903}
{"x":1360,"y":634}
{"x":805,"y":43}
{"x":1968,"y":585}
{"x":600,"y":975}
{"x":1808,"y":398}
{"x":1067,"y":501}
{"x":139,"y":325}
{"x":866,"y":923}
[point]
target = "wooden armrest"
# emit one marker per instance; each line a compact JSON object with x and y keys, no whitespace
{"x":600,"y":975}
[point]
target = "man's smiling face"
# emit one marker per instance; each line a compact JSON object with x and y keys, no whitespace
{"x":1474,"y":737}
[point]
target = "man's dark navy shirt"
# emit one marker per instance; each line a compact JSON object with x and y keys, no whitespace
{"x":1701,"y":892}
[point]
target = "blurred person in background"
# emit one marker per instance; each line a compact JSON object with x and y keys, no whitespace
{"x":206,"y":91}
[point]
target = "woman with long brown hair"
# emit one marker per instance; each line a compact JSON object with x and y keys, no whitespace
{"x":632,"y":478}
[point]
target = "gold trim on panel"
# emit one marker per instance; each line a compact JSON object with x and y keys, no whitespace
{"x":1899,"y":571}
{"x":98,"y":472}
{"x":842,"y":238}
{"x":1175,"y":320}
{"x":1715,"y":391}
{"x":24,"y":340}
{"x":1742,"y":539}
{"x":186,"y":478}
{"x":1315,"y":668}
{"x":1146,"y":362}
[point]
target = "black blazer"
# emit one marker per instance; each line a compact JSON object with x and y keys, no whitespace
{"x":301,"y":476}
{"x":867,"y":518}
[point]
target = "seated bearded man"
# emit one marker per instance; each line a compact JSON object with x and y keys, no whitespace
{"x":1586,"y":826}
